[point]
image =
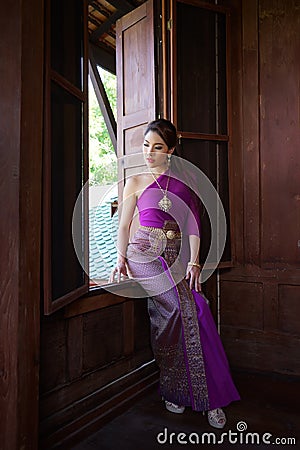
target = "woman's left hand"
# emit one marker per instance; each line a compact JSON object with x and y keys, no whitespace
{"x":193,"y":275}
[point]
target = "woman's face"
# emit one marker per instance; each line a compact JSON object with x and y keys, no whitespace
{"x":155,"y":150}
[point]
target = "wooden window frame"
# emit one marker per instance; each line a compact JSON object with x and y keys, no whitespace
{"x":217,"y":138}
{"x":85,"y":293}
{"x":85,"y":298}
{"x":51,"y":305}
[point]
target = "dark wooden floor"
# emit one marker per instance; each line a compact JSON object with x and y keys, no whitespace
{"x":270,"y":404}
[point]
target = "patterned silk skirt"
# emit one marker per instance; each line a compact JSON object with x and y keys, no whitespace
{"x":194,"y":370}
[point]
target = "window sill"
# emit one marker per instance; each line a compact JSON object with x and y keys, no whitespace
{"x":100,"y":297}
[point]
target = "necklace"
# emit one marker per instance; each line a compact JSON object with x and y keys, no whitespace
{"x":165,"y":203}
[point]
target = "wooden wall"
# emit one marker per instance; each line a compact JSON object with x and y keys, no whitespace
{"x":91,"y":365}
{"x":91,"y":358}
{"x":21,"y":112}
{"x":260,"y":296}
{"x":90,"y":355}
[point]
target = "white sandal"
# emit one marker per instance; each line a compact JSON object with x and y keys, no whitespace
{"x":172,"y":407}
{"x":216,"y":418}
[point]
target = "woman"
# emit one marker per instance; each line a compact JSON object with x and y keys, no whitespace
{"x":193,"y":367}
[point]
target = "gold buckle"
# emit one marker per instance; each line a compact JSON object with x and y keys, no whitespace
{"x":170,"y":234}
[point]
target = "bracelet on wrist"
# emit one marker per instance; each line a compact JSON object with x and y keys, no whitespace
{"x":194,"y":264}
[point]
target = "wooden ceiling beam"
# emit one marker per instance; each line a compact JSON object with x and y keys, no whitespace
{"x":106,"y":26}
{"x":104,"y":56}
{"x":94,"y":21}
{"x":122,"y":5}
{"x":96,"y":6}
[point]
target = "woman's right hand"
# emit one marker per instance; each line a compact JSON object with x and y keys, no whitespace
{"x":119,"y":270}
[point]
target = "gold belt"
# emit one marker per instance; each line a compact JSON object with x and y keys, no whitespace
{"x":162,"y":233}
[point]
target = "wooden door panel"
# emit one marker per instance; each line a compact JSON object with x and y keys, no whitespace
{"x":136,"y":78}
{"x":252,"y":315}
{"x":200,"y":70}
{"x":136,"y":90}
{"x":288,"y":308}
{"x":280,"y":138}
{"x":132,"y":139}
{"x":137,"y":83}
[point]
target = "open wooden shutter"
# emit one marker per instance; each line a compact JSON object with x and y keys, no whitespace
{"x":136,"y":86}
{"x":65,"y":158}
{"x":200,"y":100}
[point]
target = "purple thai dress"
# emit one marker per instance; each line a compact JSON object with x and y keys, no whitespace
{"x":194,"y":370}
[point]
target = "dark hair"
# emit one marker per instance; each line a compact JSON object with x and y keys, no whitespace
{"x":165,"y":129}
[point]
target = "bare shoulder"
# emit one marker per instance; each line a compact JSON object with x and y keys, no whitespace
{"x":133,"y":184}
{"x":136,"y":182}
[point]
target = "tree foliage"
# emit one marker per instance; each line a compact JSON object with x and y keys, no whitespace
{"x":103,"y":160}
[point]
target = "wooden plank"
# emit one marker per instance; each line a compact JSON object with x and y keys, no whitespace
{"x":252,"y":273}
{"x":251,"y":133}
{"x":104,"y":327}
{"x":92,"y":419}
{"x":69,"y":87}
{"x":46,"y":241}
{"x":79,"y":393}
{"x":102,"y":298}
{"x":91,"y":303}
{"x":30,"y":224}
{"x":70,"y":188}
{"x":104,"y":28}
{"x":104,"y":57}
{"x":52,"y":306}
{"x":86,"y":139}
{"x":164,"y":58}
{"x":54,"y":348}
{"x":10,"y":110}
{"x":173,"y":64}
{"x":128,"y":328}
{"x":210,"y":6}
{"x":270,"y":301}
{"x":266,"y":352}
{"x":251,"y":314}
{"x":96,"y":6}
{"x":204,"y":137}
{"x":288,"y":309}
{"x":136,"y":75}
{"x":123,"y":5}
{"x":280,"y":132}
{"x":130,"y":19}
{"x":20,"y":200}
{"x":135,"y":119}
{"x":231,"y":156}
{"x":74,"y":347}
{"x":235,"y":151}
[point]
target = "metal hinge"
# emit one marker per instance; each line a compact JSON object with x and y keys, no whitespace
{"x":170,"y":24}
